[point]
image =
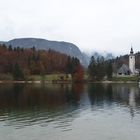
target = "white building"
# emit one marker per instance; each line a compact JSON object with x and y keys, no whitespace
{"x":129,"y":70}
{"x":132,"y":62}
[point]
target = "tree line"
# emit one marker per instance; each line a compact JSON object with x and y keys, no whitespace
{"x":20,"y":63}
{"x":100,"y":69}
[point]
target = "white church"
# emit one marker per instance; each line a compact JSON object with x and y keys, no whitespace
{"x":129,"y":70}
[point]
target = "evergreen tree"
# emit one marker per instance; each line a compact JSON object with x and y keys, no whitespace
{"x":18,"y":73}
{"x":10,"y":48}
{"x":109,"y":70}
{"x":74,"y":63}
{"x":74,"y":68}
{"x":100,"y":68}
{"x":96,"y":68}
{"x":92,"y":68}
{"x":18,"y":49}
{"x":69,"y":65}
{"x":33,"y":48}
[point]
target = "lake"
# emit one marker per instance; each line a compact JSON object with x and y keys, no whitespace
{"x":69,"y":112}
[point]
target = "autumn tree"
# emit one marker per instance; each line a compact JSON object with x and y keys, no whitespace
{"x":78,"y":74}
{"x":19,"y":62}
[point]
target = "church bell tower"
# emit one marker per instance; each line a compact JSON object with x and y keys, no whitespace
{"x":132,"y":61}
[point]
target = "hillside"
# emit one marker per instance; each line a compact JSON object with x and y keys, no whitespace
{"x":63,"y":47}
{"x":20,"y":63}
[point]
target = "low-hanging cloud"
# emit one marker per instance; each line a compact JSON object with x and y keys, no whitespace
{"x":101,"y":25}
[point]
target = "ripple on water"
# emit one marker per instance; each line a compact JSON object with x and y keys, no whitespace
{"x":95,"y":113}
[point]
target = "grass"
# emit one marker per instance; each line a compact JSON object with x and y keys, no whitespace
{"x":51,"y":77}
{"x":125,"y":78}
{"x":64,"y":77}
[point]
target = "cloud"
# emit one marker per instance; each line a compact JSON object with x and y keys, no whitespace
{"x":103,"y":25}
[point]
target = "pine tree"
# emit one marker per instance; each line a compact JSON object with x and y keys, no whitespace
{"x":10,"y":48}
{"x":92,"y":68}
{"x":69,"y":66}
{"x":100,"y":68}
{"x":109,"y":70}
{"x":18,"y":73}
{"x":96,"y":68}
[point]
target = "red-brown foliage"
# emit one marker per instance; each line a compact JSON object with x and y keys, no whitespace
{"x":32,"y":61}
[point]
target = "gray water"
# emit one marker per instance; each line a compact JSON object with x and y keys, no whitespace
{"x":69,"y":112}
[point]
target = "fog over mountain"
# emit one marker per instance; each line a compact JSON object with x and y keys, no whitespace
{"x":60,"y":46}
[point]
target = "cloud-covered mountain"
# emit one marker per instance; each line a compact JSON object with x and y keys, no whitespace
{"x":106,"y":56}
{"x":60,"y":46}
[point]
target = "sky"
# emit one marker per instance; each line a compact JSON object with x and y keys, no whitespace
{"x":93,"y":25}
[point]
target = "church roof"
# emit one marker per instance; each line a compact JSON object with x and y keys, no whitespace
{"x":124,"y":69}
{"x":131,"y":52}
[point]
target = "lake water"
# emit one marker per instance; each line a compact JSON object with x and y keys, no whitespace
{"x":69,"y":112}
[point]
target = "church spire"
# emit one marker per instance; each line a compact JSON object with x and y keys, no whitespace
{"x":131,"y":52}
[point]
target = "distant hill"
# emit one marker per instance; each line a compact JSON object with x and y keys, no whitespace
{"x":63,"y":47}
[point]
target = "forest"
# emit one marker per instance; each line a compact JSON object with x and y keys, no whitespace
{"x":99,"y":68}
{"x":19,"y":63}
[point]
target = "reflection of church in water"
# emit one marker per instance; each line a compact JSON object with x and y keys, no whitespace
{"x":129,"y":70}
{"x":129,"y":96}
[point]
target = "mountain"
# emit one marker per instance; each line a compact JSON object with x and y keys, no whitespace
{"x":60,"y":46}
{"x":63,"y":47}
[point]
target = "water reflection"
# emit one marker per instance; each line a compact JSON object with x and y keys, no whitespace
{"x":24,"y":105}
{"x":129,"y":96}
{"x":125,"y":95}
{"x":22,"y":97}
{"x":99,"y":93}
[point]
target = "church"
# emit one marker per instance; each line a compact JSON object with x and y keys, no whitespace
{"x":129,"y":70}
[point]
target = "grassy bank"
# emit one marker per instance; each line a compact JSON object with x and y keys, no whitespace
{"x":126,"y":78}
{"x":65,"y":78}
{"x":51,"y":77}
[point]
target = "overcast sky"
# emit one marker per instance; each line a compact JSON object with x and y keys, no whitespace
{"x":101,"y":25}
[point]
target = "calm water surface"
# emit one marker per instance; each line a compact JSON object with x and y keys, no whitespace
{"x":69,"y":112}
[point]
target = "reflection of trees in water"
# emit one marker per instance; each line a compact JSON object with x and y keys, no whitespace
{"x":113,"y":92}
{"x":54,"y":99}
{"x":99,"y":93}
{"x":123,"y":94}
{"x":9,"y":95}
{"x":74,"y":95}
{"x":28,"y":104}
{"x":20,"y":96}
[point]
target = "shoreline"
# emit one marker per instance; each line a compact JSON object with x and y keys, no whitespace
{"x":66,"y":82}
